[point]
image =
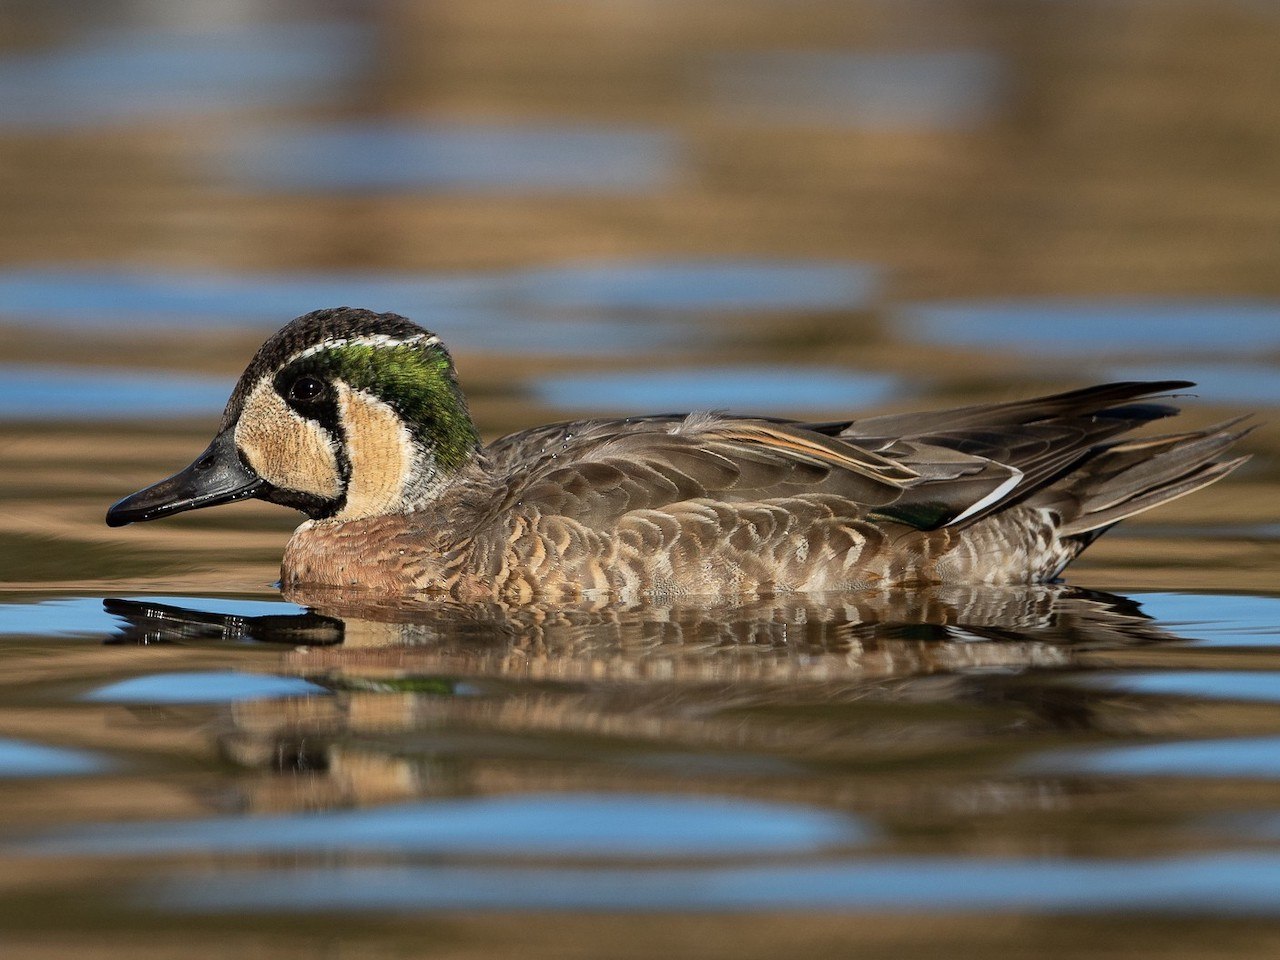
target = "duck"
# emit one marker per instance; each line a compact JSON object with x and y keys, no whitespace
{"x":357,"y":420}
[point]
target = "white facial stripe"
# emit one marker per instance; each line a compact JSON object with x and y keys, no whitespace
{"x":369,"y":340}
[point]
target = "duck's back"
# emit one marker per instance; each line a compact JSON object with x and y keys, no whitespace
{"x":709,"y":504}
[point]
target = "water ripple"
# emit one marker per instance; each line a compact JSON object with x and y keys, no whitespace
{"x":574,"y":825}
{"x":1236,"y":883}
{"x":511,"y":157}
{"x":21,"y":759}
{"x":760,"y":390}
{"x":210,"y":686}
{"x":123,"y":76}
{"x":1097,"y":327}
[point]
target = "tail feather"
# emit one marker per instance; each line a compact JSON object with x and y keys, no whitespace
{"x":1053,"y":451}
{"x":1108,"y":400}
{"x":1142,"y":468}
{"x":1132,"y":476}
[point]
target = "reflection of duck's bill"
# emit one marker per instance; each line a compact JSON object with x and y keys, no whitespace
{"x":151,"y":623}
{"x":217,"y":476}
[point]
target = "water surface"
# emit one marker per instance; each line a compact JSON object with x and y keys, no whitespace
{"x":818,"y":209}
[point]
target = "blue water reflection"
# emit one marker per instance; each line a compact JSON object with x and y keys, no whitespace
{"x":1084,"y":327}
{"x":576,"y":308}
{"x":70,"y":617}
{"x":86,"y":617}
{"x":469,"y":311}
{"x":1216,"y":620}
{"x":1243,"y":757}
{"x":701,"y":284}
{"x":1261,"y":686}
{"x":503,"y":157}
{"x":563,"y":825}
{"x":21,"y":759}
{"x":88,"y":393}
{"x":1242,"y":383}
{"x":208,"y":686}
{"x":119,"y":76}
{"x":1238,"y":883}
{"x":884,"y":91}
{"x":109,"y":298}
{"x":759,"y":390}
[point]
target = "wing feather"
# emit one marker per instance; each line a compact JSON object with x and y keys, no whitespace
{"x":925,"y":470}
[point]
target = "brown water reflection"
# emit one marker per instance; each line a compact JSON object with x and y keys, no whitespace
{"x":820,"y":699}
{"x":756,"y":689}
{"x":930,"y":720}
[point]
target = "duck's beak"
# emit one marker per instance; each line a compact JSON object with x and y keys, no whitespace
{"x":217,"y":476}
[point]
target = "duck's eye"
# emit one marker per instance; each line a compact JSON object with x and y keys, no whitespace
{"x":306,"y":388}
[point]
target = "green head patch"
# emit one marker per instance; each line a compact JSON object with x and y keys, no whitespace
{"x":413,"y":375}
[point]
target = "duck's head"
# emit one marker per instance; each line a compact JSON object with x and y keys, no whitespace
{"x":343,"y":413}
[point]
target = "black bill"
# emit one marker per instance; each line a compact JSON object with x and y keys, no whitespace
{"x":217,"y":476}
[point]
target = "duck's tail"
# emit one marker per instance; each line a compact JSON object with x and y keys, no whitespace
{"x":1125,"y":478}
{"x":1065,"y":453}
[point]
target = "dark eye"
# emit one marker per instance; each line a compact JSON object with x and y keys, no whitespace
{"x":306,"y":388}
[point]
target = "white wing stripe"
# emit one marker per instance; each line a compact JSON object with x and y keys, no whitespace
{"x":995,"y":496}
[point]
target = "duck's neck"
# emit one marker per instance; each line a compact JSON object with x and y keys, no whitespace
{"x":394,"y":466}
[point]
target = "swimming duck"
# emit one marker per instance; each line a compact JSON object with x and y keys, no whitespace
{"x":356,"y":419}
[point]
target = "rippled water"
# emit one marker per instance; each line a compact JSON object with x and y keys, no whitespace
{"x":609,"y":208}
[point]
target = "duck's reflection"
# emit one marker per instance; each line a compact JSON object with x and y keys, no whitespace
{"x":854,"y":698}
{"x":824,"y":635}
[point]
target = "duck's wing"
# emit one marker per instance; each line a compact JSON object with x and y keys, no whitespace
{"x":524,"y":448}
{"x":922,"y":470}
{"x":738,"y":461}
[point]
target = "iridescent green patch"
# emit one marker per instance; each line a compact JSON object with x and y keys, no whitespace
{"x":415,"y":380}
{"x":928,"y":515}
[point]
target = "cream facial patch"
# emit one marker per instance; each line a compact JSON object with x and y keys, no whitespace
{"x":286,"y":449}
{"x":381,"y":454}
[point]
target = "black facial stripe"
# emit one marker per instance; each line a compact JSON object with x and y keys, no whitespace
{"x":317,"y":508}
{"x":323,"y":412}
{"x":308,"y":330}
